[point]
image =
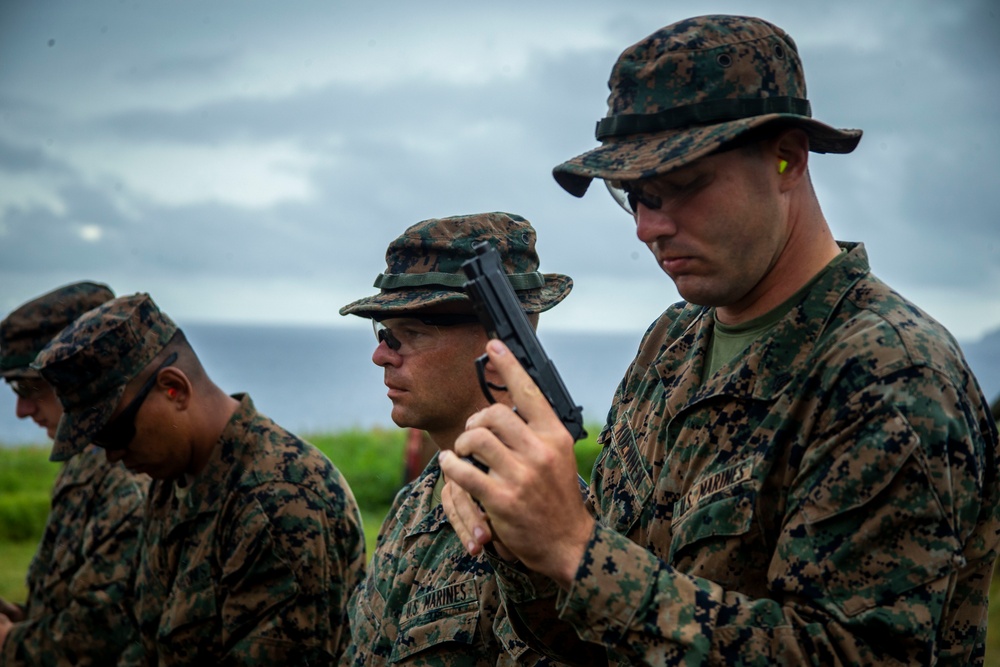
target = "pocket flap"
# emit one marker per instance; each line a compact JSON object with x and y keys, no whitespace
{"x":727,"y":516}
{"x":447,"y":614}
{"x":859,"y":475}
{"x":191,"y":602}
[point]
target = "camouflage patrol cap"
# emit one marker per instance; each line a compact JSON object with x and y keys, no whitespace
{"x":691,"y":87}
{"x":91,"y":361}
{"x":31,"y":326}
{"x":424,"y":266}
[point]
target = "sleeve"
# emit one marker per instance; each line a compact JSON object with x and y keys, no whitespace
{"x":292,"y":561}
{"x":530,"y":613}
{"x":94,"y":627}
{"x":884,"y":556}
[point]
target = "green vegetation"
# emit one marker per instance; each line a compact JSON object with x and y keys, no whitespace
{"x":372,"y":461}
{"x":26,"y":478}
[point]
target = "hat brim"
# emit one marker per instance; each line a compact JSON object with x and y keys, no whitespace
{"x":555,"y":289}
{"x":77,"y":428}
{"x":19,"y":373}
{"x":652,"y":154}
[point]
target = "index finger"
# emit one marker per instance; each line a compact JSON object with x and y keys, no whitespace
{"x":529,"y":400}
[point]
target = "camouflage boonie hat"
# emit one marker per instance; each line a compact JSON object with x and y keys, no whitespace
{"x":91,"y":361}
{"x":30,"y":327}
{"x":424,"y":266}
{"x":689,"y":88}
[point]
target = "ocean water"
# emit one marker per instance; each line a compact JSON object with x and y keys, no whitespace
{"x":318,"y":379}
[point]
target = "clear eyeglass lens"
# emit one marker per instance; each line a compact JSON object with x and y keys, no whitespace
{"x":382,"y":333}
{"x":406,"y":336}
{"x":620,"y":195}
{"x":27,"y":388}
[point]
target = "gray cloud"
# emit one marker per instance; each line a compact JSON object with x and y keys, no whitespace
{"x":377,"y":154}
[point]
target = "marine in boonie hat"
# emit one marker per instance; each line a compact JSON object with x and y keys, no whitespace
{"x":90,"y":363}
{"x":691,"y":87}
{"x":424,"y":266}
{"x":29,"y":328}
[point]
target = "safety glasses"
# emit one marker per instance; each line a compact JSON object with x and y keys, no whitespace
{"x":118,"y":433}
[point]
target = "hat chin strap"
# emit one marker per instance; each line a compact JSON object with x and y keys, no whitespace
{"x":702,"y":113}
{"x":519,"y":281}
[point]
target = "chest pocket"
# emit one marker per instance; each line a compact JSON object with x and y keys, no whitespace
{"x":727,"y":517}
{"x":719,"y":505}
{"x":447,"y":614}
{"x":626,"y":481}
{"x":879,"y":539}
{"x":189,"y":614}
{"x":366,"y":611}
{"x":57,"y":575}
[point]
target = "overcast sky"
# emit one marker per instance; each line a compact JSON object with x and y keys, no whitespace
{"x":249,"y":161}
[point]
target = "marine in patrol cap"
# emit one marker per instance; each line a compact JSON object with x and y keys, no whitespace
{"x":30,"y":327}
{"x":91,"y":361}
{"x":689,"y":88}
{"x":424,"y":266}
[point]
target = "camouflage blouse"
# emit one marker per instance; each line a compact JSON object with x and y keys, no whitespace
{"x":829,"y":497}
{"x":254,"y":561}
{"x":425,"y":601}
{"x":79,"y":577}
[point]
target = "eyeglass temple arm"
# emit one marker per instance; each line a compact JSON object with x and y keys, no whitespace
{"x":484,"y":384}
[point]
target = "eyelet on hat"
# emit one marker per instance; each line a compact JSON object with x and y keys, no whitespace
{"x":779,"y":52}
{"x":724,"y":60}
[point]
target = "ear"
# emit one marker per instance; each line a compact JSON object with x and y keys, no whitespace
{"x":176,"y":386}
{"x":791,"y":149}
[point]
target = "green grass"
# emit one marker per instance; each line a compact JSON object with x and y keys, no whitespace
{"x":14,"y":560}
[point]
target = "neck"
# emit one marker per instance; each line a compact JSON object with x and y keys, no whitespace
{"x":808,"y":248}
{"x":445,"y":438}
{"x":215,"y":409}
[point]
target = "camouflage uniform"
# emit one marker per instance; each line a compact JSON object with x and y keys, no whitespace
{"x":253,"y":563}
{"x":79,"y":577}
{"x":251,"y":560}
{"x":425,"y":601}
{"x":828,"y":497}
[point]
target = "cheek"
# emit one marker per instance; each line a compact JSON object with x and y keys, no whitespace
{"x":51,"y":407}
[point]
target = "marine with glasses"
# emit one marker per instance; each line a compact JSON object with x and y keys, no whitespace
{"x":798,"y":467}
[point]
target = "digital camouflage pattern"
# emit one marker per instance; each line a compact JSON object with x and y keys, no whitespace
{"x":91,"y":361}
{"x":424,"y":265}
{"x":692,"y":86}
{"x":28,"y":328}
{"x":253,"y":562}
{"x":79,"y":578}
{"x":425,"y":600}
{"x":829,"y":497}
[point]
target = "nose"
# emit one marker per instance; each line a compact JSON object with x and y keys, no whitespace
{"x":653,"y":224}
{"x":386,"y":356}
{"x":25,"y":407}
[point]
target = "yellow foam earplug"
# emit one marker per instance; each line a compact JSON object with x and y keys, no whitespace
{"x":782,"y":166}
